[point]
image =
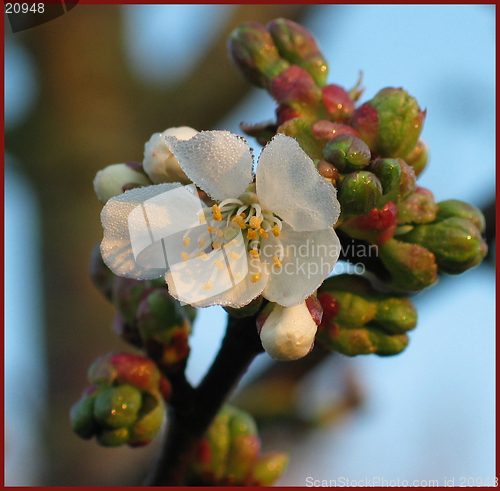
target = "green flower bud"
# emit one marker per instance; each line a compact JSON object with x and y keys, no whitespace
{"x":368,"y":340}
{"x":151,"y":418}
{"x":82,"y":418}
{"x":118,"y":407}
{"x":219,"y":438}
{"x":418,"y":207}
{"x":412,"y":267}
{"x":164,"y":328}
{"x":396,"y":315}
{"x":127,"y":294}
{"x":347,"y":153}
{"x":456,"y":243}
{"x":397,"y":178}
{"x":253,"y":52}
{"x":390,"y":123}
{"x":359,"y":193}
{"x":110,"y":181}
{"x":113,"y":438}
{"x":296,"y":45}
{"x":355,"y":311}
{"x":269,"y":468}
{"x":418,"y":157}
{"x":459,"y":209}
{"x":245,"y":446}
{"x":102,"y":371}
{"x":301,"y":130}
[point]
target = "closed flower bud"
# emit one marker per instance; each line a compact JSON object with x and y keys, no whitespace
{"x":253,"y":52}
{"x":418,"y":157}
{"x":149,"y":423}
{"x":378,"y":225}
{"x":390,"y":123}
{"x":347,"y":153}
{"x":110,"y":181}
{"x":159,"y":163}
{"x":359,"y":193}
{"x":135,"y":370}
{"x":288,"y":333}
{"x":117,"y":407}
{"x":295,"y":86}
{"x":338,"y":102}
{"x":412,"y":267}
{"x":269,"y":468}
{"x":456,"y":243}
{"x":459,"y":209}
{"x":397,"y":178}
{"x":113,"y":438}
{"x":164,"y":328}
{"x":368,"y":340}
{"x":296,"y":45}
{"x":82,"y":417}
{"x":244,"y":448}
{"x":418,"y":207}
{"x":363,"y":320}
{"x":127,"y":294}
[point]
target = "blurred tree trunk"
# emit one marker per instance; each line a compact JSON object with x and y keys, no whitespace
{"x":90,"y":113}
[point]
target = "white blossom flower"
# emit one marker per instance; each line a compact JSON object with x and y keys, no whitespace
{"x":159,"y":163}
{"x":286,"y":219}
{"x":288,"y":333}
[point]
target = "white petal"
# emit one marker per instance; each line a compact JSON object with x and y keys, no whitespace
{"x":219,"y":162}
{"x":139,"y":222}
{"x":245,"y":287}
{"x":289,"y":185}
{"x":309,"y":257}
{"x":288,"y":333}
{"x":159,"y":163}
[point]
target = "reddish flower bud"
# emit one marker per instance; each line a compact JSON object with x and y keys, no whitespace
{"x":295,"y":85}
{"x":338,"y":102}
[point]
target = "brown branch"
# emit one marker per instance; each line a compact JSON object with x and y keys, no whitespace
{"x":191,"y":416}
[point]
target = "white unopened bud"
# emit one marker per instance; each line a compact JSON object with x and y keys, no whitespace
{"x":109,"y":181}
{"x":288,"y":333}
{"x":159,"y":163}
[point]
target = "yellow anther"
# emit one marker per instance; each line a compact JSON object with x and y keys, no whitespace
{"x":202,"y":217}
{"x":256,"y":277}
{"x":251,"y":234}
{"x":216,"y":213}
{"x":276,"y":261}
{"x":185,"y":256}
{"x":238,"y":219}
{"x":212,"y":230}
{"x":243,"y":215}
{"x":263,"y":233}
{"x":201,"y":243}
{"x":255,"y":222}
{"x":186,"y":242}
{"x":220,"y":234}
{"x":276,"y":231}
{"x":208,"y":285}
{"x":238,"y":276}
{"x":201,"y":255}
{"x":254,"y":254}
{"x":219,"y":264}
{"x":217,"y":244}
{"x":234,"y":255}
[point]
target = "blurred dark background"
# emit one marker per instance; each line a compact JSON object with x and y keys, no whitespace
{"x":89,"y":88}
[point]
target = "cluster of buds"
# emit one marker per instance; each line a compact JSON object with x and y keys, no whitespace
{"x":358,"y":320}
{"x":125,"y":402}
{"x":229,"y":454}
{"x":147,"y":315}
{"x":372,"y":154}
